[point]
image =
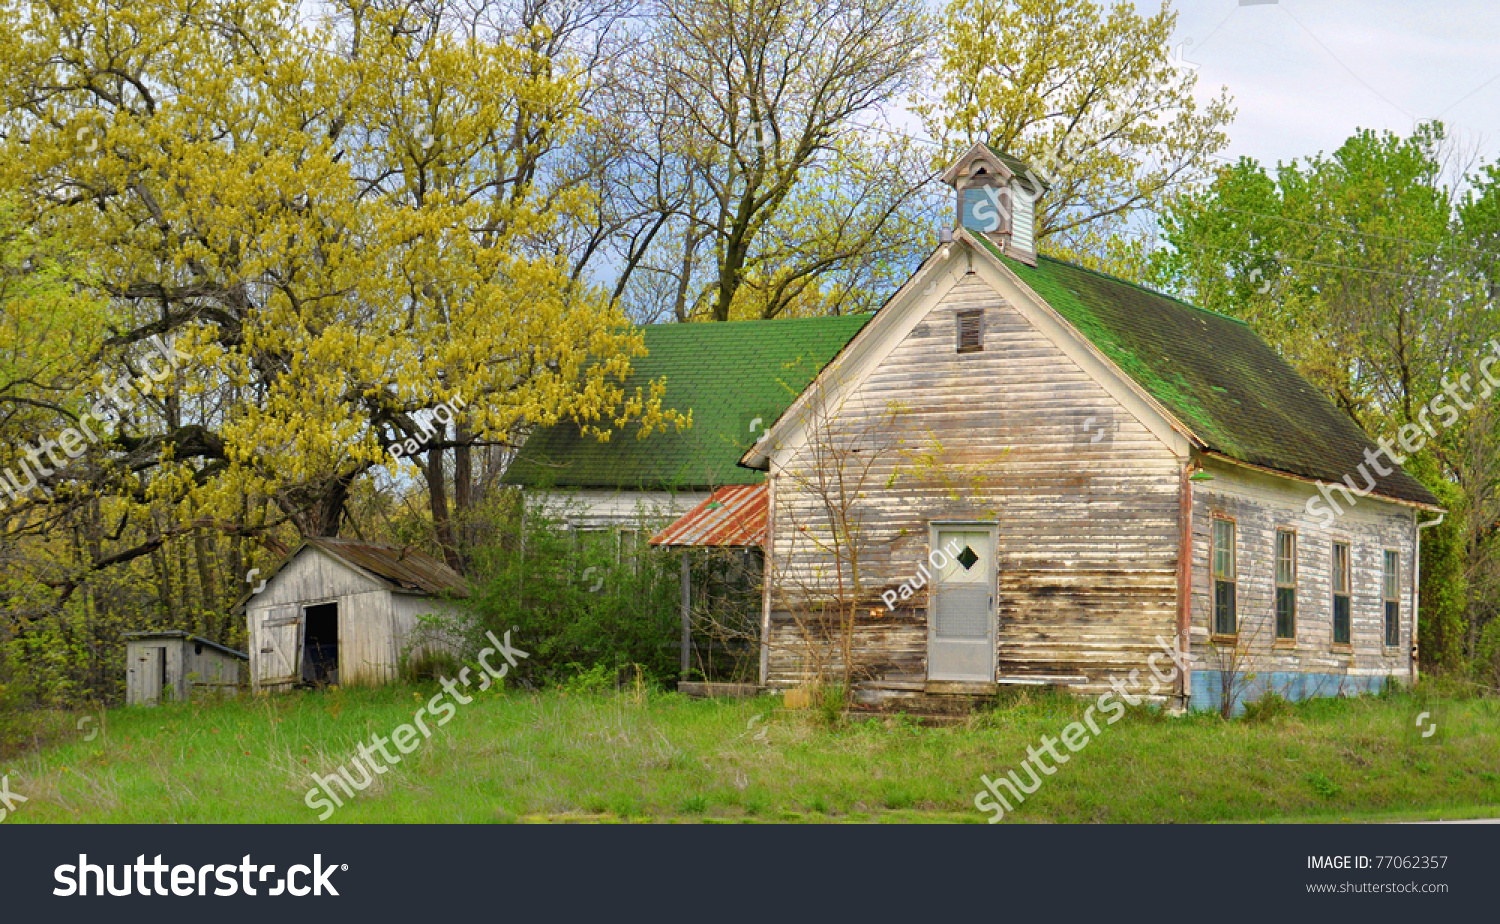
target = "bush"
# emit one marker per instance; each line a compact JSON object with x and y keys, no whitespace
{"x":1268,"y":708}
{"x":832,"y":705}
{"x":573,"y":600}
{"x":430,"y":665}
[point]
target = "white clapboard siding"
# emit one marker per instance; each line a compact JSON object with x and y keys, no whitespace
{"x":1085,"y":497}
{"x":1261,"y":504}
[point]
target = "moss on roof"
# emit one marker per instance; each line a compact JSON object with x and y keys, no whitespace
{"x":736,"y":378}
{"x":1214,"y":374}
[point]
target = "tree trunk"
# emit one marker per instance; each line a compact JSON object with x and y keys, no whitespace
{"x":463,"y":491}
{"x":437,"y":496}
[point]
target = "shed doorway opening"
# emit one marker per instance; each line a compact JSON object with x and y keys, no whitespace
{"x":320,"y":647}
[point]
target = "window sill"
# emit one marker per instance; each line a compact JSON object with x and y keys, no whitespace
{"x":1217,"y":638}
{"x":1284,"y":643}
{"x":1342,"y":648}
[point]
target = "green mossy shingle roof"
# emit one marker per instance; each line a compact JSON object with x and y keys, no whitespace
{"x":1215,"y":375}
{"x":736,"y":378}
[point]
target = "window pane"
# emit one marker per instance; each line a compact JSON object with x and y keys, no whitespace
{"x":1341,"y":620}
{"x":1392,"y":623}
{"x":1286,"y":612}
{"x":1224,"y":616}
{"x":1392,"y":576}
{"x":1286,"y":558}
{"x":1224,"y":550}
{"x":1340,"y":568}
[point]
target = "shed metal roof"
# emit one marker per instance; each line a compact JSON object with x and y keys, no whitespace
{"x":180,"y":635}
{"x":731,"y":517}
{"x":402,"y":568}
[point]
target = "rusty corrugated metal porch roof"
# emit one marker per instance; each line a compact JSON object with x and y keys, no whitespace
{"x":731,"y":517}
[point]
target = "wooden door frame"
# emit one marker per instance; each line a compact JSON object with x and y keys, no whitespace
{"x":338,"y":631}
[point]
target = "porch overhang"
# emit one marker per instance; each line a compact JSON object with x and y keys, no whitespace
{"x":731,"y":517}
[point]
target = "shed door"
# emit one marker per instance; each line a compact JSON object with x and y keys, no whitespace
{"x":280,"y":646}
{"x":149,"y":674}
{"x":961,"y":619}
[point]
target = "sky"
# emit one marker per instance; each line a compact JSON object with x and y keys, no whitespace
{"x":1305,"y":74}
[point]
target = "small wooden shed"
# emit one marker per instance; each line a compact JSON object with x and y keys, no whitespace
{"x":176,"y":664}
{"x":342,"y":612}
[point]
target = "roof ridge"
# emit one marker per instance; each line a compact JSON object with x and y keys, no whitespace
{"x":822,"y":318}
{"x":1143,"y":288}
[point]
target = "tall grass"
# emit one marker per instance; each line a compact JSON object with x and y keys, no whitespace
{"x":636,"y":754}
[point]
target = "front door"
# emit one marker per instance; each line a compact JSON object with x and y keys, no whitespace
{"x":961,"y":617}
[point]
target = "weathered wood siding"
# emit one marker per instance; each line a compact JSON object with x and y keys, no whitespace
{"x":191,"y":667}
{"x":367,"y":643}
{"x":415,"y":639}
{"x":601,"y":507}
{"x":1085,"y":497}
{"x":1260,"y":505}
{"x":144,"y":684}
{"x":206,"y":669}
{"x":367,"y":639}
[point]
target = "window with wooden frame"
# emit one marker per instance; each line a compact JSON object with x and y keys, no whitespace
{"x":632,"y":547}
{"x":1286,"y":584}
{"x":1341,"y":599}
{"x":1224,"y":577}
{"x":971,"y":331}
{"x":1390,"y":585}
{"x":590,"y":542}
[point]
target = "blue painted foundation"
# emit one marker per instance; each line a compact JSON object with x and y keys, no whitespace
{"x":1292,"y":685}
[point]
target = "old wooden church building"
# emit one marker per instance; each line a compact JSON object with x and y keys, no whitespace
{"x":1023,"y":471}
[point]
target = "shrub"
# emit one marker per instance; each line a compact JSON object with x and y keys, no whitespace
{"x":600,"y":678}
{"x":831,"y":706}
{"x":573,"y":600}
{"x":1268,"y":708}
{"x":1322,"y":785}
{"x":430,"y":665}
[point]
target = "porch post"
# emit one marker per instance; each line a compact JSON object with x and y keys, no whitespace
{"x":687,"y":615}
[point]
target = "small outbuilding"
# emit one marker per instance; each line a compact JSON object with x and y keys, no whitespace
{"x":176,"y":664}
{"x":342,"y":612}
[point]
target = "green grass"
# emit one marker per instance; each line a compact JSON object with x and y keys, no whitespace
{"x":558,"y":756}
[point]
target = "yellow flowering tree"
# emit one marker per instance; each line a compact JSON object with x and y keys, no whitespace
{"x":336,"y":224}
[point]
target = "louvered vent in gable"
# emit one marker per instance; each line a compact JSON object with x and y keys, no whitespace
{"x":970,"y":331}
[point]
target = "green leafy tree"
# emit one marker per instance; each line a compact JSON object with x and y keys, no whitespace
{"x":1372,"y":275}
